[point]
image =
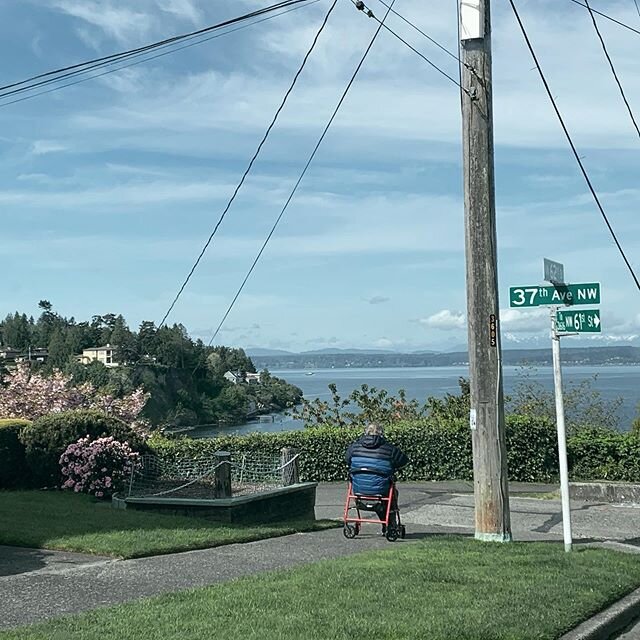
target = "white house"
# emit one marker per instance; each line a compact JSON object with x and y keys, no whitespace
{"x":105,"y":354}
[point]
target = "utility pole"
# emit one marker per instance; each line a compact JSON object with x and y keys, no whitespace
{"x":485,"y":360}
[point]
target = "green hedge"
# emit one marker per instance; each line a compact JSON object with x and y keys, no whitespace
{"x":13,"y":468}
{"x":46,"y":439}
{"x":437,"y":450}
{"x":604,"y":455}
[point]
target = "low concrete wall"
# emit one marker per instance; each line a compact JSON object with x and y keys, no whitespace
{"x":296,"y":501}
{"x":614,"y":492}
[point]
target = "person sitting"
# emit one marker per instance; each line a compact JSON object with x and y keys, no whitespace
{"x":373,"y":451}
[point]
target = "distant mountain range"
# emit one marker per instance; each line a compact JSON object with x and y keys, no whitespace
{"x":510,"y":341}
{"x":337,"y":358}
{"x":329,"y":351}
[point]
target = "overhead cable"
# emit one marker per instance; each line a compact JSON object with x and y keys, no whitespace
{"x":154,"y":45}
{"x":571,"y":144}
{"x":608,"y":17}
{"x":249,"y":166}
{"x":613,"y":69}
{"x":427,"y":36}
{"x":304,"y":171}
{"x":147,"y":58}
{"x":368,"y":12}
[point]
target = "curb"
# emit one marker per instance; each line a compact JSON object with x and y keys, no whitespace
{"x":610,"y":622}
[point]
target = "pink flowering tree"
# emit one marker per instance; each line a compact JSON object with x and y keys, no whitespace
{"x":100,"y":467}
{"x":28,"y":395}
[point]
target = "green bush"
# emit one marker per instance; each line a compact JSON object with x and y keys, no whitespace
{"x":602,"y":454}
{"x":13,"y":470}
{"x":532,"y":449}
{"x":46,"y":439}
{"x":437,"y":450}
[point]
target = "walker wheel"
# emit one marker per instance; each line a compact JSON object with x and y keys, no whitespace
{"x":403,"y":531}
{"x":350,"y":531}
{"x":391,"y":534}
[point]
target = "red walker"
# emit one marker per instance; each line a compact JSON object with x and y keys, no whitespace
{"x":393,"y":528}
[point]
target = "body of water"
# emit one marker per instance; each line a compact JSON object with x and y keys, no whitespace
{"x":421,"y":382}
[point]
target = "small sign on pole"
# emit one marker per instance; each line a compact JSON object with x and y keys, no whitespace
{"x":573,"y":321}
{"x":553,"y":271}
{"x":471,"y":19}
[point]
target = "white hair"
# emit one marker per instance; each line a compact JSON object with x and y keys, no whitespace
{"x":373,"y":429}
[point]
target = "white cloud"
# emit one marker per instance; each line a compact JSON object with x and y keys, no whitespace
{"x":184,"y":9}
{"x":42,"y":147}
{"x":377,"y":299}
{"x":520,"y":320}
{"x":445,"y":320}
{"x":115,"y":21}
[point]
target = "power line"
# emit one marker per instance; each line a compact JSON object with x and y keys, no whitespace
{"x":613,"y":69}
{"x":608,"y":17}
{"x":304,"y":171}
{"x":250,"y":165}
{"x":573,"y":148}
{"x":173,"y":49}
{"x":161,"y":43}
{"x":637,"y":6}
{"x":427,"y":36}
{"x":362,"y":7}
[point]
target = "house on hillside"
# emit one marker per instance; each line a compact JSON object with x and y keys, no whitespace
{"x":235,"y":377}
{"x":33,"y":354}
{"x":105,"y":354}
{"x":10,"y":356}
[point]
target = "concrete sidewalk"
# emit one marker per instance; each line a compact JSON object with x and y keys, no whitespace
{"x":37,"y":585}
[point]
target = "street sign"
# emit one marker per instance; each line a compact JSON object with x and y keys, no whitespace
{"x":553,"y":271}
{"x":568,"y":294}
{"x":587,"y":321}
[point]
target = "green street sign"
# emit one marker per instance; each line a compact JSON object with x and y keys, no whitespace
{"x":569,"y":294}
{"x":587,"y":321}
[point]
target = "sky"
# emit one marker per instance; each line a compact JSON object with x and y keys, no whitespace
{"x":109,"y":188}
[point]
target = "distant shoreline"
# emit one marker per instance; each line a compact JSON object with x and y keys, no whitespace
{"x":587,"y":356}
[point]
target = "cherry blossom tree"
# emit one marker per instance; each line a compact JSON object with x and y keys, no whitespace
{"x":28,"y":395}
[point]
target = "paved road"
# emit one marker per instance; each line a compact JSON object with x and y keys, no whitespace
{"x":37,"y":585}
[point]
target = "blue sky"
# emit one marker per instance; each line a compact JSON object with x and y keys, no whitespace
{"x":108,"y":189}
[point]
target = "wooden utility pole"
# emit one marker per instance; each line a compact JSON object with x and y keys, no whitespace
{"x":485,"y":361}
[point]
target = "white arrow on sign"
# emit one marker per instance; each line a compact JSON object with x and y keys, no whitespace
{"x":596,"y":321}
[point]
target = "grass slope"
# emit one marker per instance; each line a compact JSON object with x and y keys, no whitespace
{"x":74,"y":522}
{"x":437,"y":589}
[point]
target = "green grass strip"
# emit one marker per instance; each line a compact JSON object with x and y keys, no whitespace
{"x":72,"y":522}
{"x":437,"y":589}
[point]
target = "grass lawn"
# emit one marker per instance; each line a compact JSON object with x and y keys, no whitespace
{"x":74,"y":522}
{"x":438,"y":588}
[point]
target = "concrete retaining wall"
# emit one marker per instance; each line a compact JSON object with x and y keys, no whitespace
{"x":296,"y":501}
{"x":614,"y":492}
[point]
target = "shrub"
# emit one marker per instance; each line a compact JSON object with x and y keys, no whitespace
{"x":99,"y":467}
{"x":603,"y":454}
{"x":438,"y":450}
{"x":13,"y":468}
{"x":532,"y":449}
{"x":47,"y":438}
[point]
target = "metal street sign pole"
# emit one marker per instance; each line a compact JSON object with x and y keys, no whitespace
{"x":562,"y":436}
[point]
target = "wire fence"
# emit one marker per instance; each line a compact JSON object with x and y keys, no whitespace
{"x":198,"y":478}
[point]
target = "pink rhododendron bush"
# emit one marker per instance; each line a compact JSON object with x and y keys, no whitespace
{"x":28,"y":395}
{"x":98,"y":467}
